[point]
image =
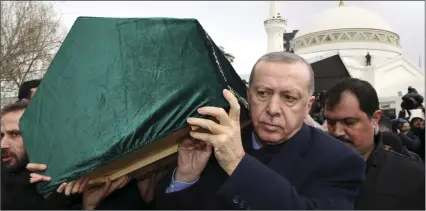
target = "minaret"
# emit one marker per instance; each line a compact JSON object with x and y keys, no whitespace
{"x":275,"y":28}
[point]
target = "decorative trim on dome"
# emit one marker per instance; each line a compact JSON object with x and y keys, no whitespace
{"x":346,"y":35}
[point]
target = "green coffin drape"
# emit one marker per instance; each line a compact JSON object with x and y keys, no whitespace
{"x":115,"y":76}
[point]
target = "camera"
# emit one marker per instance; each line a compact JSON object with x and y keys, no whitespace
{"x":317,"y":107}
{"x":412,"y":100}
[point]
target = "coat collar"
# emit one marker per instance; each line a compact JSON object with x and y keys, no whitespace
{"x":287,"y":156}
{"x":378,"y":154}
{"x":298,"y":144}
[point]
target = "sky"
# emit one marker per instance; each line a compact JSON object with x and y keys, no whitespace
{"x":238,"y":25}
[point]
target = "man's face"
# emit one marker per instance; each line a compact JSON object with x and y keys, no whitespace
{"x":279,"y":99}
{"x":13,"y":155}
{"x":417,"y":123}
{"x":405,"y":127}
{"x":349,"y":124}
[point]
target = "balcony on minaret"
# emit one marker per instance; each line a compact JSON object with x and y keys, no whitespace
{"x":276,"y":20}
{"x":278,"y":16}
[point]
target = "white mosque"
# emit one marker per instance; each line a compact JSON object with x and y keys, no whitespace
{"x":350,"y":33}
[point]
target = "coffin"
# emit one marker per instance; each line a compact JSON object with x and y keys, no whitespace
{"x":115,"y":99}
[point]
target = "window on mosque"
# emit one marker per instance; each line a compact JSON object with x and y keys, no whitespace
{"x":344,"y":37}
{"x":368,"y":35}
{"x":360,"y":37}
{"x":307,"y":40}
{"x":376,"y":38}
{"x":336,"y":36}
{"x":328,"y":38}
{"x":352,"y":34}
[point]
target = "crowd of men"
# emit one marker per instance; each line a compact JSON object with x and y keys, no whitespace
{"x":282,"y":160}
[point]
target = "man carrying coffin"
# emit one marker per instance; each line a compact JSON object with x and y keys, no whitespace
{"x":277,"y":162}
{"x":17,"y":189}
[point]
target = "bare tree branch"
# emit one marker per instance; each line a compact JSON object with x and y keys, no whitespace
{"x":29,"y":41}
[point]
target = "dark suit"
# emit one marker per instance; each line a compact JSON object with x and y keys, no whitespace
{"x":309,"y":171}
{"x":393,"y":181}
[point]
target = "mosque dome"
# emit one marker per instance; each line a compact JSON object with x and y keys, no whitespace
{"x":342,"y":27}
{"x":342,"y":17}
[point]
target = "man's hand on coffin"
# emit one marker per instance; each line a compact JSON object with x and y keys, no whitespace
{"x":225,"y":136}
{"x":74,"y":187}
{"x":193,"y":156}
{"x":34,"y":177}
{"x":93,"y":196}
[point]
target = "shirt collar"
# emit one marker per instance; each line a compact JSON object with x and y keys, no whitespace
{"x":254,"y":144}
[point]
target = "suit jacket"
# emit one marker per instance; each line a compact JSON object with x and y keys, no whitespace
{"x":393,"y":181}
{"x":309,"y":171}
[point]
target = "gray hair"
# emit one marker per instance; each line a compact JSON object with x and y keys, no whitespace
{"x":288,"y":58}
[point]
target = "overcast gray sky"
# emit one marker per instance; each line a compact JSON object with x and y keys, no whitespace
{"x":238,"y":26}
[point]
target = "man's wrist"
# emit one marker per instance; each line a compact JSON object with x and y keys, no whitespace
{"x":89,"y":206}
{"x":233,"y":165}
{"x":188,"y":178}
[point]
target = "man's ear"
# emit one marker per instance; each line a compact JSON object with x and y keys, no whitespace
{"x":309,"y":105}
{"x":376,"y":117}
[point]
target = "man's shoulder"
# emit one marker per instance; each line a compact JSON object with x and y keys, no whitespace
{"x":325,"y":141}
{"x":402,"y":163}
{"x":335,"y":158}
{"x":332,"y":150}
{"x":393,"y":169}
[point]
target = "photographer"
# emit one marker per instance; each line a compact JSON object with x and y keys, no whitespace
{"x":409,"y":140}
{"x":411,"y":101}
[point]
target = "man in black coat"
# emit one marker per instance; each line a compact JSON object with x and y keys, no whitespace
{"x":277,"y":162}
{"x":19,"y":193}
{"x":391,"y":140}
{"x":16,"y":190}
{"x":409,"y":139}
{"x":418,"y":128}
{"x":392,"y":181}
